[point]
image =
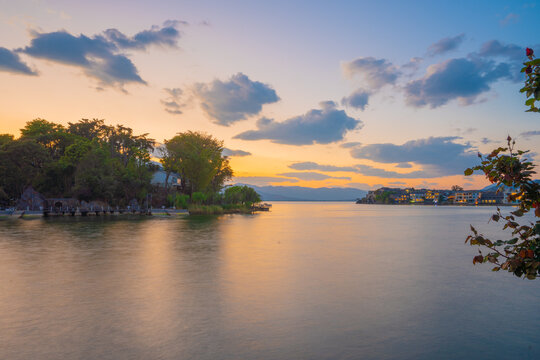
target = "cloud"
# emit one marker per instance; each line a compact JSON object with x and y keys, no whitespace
{"x":413,"y":64}
{"x":316,"y":126}
{"x":368,"y":170}
{"x":94,"y":55}
{"x":445,"y":45}
{"x":397,"y":183}
{"x":230,"y":152}
{"x":358,"y":99}
{"x":309,"y":165}
{"x":11,"y":62}
{"x":439,"y":156}
{"x":173,"y":103}
{"x":361,"y":186}
{"x":375,"y":72}
{"x":351,"y":144}
{"x":233,"y":100}
{"x":495,"y":48}
{"x":359,"y":169}
{"x":100,"y":56}
{"x":404,"y":165}
{"x":309,"y":175}
{"x":427,"y":185}
{"x":462,"y":79}
{"x":528,"y":134}
{"x":466,"y":131}
{"x":509,"y":19}
{"x":166,"y":36}
{"x":486,"y":141}
{"x":261,"y":180}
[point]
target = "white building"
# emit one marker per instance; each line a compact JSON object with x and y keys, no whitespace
{"x":160,"y":176}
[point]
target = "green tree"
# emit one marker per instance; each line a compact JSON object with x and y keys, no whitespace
{"x":21,"y":164}
{"x":94,"y":176}
{"x":5,"y":139}
{"x":241,"y":195}
{"x":512,"y":169}
{"x":52,"y":136}
{"x":197,"y":157}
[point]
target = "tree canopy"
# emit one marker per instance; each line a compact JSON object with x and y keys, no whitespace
{"x":197,"y":157}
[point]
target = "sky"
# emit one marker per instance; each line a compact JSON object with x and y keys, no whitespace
{"x":305,"y":93}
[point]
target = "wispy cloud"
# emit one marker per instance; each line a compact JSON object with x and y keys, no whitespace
{"x":511,"y":18}
{"x":445,"y":45}
{"x":239,"y":153}
{"x":310,"y":165}
{"x":365,"y":170}
{"x":262,"y":180}
{"x":173,"y":102}
{"x":528,"y":134}
{"x":351,"y":144}
{"x":309,"y":176}
{"x":376,"y":73}
{"x":494,"y":48}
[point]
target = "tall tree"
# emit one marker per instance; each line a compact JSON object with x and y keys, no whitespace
{"x":198,"y":158}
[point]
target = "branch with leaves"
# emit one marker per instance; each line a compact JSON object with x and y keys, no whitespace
{"x":511,"y":169}
{"x":532,"y":84}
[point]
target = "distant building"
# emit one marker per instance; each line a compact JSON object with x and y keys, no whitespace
{"x":160,"y":176}
{"x":491,"y":197}
{"x":466,"y":197}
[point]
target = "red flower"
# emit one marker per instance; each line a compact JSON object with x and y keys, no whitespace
{"x":528,"y":70}
{"x":529,"y":52}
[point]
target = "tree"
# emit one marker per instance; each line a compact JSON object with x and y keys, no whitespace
{"x":241,"y":195}
{"x":52,"y":136}
{"x":457,"y":188}
{"x":512,"y":169}
{"x":21,"y":164}
{"x":198,"y":158}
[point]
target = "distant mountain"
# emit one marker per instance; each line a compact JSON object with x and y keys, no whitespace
{"x":493,"y":187}
{"x":299,"y":193}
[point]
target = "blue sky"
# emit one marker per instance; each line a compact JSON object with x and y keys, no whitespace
{"x":286,"y":82}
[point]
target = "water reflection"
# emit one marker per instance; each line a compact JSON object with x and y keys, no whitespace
{"x":307,"y":280}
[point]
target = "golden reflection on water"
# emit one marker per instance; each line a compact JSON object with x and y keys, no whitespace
{"x":306,"y":280}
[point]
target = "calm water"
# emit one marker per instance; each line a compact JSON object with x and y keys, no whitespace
{"x":305,"y":281}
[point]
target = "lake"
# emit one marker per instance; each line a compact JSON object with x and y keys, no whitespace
{"x":328,"y":280}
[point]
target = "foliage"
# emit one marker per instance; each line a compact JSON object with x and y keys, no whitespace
{"x":240,"y":195}
{"x":510,"y":168}
{"x":532,"y":84}
{"x":88,"y":160}
{"x":179,"y":201}
{"x":198,"y":197}
{"x":197,"y":158}
{"x":195,"y":209}
{"x":383,"y":198}
{"x":456,"y":188}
